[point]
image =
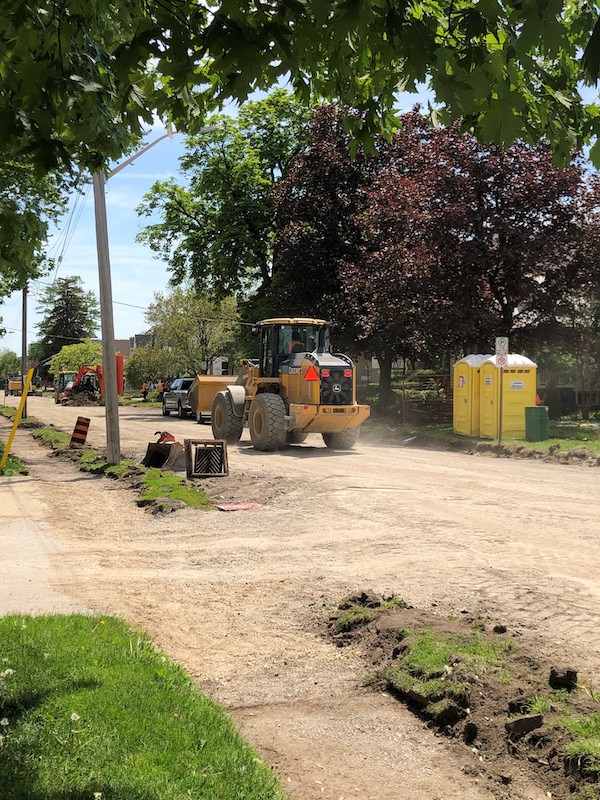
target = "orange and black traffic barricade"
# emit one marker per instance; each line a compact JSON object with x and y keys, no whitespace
{"x":80,"y":432}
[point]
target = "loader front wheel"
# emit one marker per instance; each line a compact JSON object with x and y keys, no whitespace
{"x":225,"y":424}
{"x":296,"y":437}
{"x":266,"y":420}
{"x":341,"y":440}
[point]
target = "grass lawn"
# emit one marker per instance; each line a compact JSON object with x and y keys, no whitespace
{"x":91,"y":710}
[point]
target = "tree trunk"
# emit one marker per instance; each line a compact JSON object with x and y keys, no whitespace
{"x":385,"y":380}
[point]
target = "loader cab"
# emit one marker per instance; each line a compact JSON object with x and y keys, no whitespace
{"x":282,"y":340}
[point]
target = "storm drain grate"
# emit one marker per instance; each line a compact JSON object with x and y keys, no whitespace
{"x":205,"y":458}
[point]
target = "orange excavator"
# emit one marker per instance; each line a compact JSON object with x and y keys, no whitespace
{"x":88,"y":384}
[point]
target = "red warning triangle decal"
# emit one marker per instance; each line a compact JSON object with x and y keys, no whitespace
{"x":311,"y":374}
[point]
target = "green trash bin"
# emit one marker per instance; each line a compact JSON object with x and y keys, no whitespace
{"x":536,"y":423}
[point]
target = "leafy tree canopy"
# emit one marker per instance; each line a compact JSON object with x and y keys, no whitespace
{"x":217,"y":229}
{"x":69,"y":314}
{"x":433,"y":243}
{"x":81,"y":77}
{"x":193,"y":328}
{"x":73,"y":356}
{"x":148,"y":363}
{"x":10,"y":363}
{"x":28,"y":202}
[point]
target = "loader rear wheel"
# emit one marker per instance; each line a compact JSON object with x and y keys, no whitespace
{"x":266,"y":420}
{"x":341,"y":440}
{"x":296,"y":437}
{"x":225,"y":424}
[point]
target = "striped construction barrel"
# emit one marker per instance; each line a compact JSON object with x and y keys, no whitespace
{"x":80,"y":432}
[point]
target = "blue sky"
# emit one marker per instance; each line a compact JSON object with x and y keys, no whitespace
{"x":136,"y":274}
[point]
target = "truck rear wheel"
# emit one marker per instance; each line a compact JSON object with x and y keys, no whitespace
{"x":225,"y":424}
{"x":266,"y":420}
{"x":296,"y":437}
{"x":341,"y":440}
{"x":181,"y":412}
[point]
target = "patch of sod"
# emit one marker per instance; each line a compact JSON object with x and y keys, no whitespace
{"x":584,"y":750}
{"x":167,"y":484}
{"x":357,"y":614}
{"x":90,"y":709}
{"x":435,"y":668}
{"x":13,"y":466}
{"x":57,"y":440}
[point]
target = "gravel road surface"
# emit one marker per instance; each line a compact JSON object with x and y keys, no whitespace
{"x":240,"y":599}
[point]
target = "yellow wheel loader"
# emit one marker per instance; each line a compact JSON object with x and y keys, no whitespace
{"x":296,"y":387}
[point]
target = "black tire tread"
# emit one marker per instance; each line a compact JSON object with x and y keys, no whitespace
{"x":272,"y":407}
{"x":341,"y":440}
{"x":231,"y":429}
{"x":296,"y":437}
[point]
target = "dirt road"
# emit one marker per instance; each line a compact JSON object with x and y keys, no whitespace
{"x":240,"y":599}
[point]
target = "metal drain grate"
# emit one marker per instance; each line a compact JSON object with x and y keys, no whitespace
{"x":205,"y":458}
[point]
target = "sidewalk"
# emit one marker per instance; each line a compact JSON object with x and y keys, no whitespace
{"x":27,"y":547}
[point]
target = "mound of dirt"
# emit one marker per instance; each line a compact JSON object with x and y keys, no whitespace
{"x":502,"y":702}
{"x":81,"y":399}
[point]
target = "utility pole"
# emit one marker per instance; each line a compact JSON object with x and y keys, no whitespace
{"x":24,"y":348}
{"x":109,"y":365}
{"x":111,"y":395}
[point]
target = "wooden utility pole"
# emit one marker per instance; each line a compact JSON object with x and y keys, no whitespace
{"x":24,"y":348}
{"x":111,"y":395}
{"x":109,"y":365}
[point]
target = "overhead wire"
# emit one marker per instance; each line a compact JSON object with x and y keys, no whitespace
{"x":70,"y":234}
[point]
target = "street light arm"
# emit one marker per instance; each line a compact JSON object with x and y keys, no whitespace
{"x":139,"y":153}
{"x":131,"y":159}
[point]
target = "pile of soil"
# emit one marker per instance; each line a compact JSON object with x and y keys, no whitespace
{"x":493,"y":717}
{"x":81,"y":399}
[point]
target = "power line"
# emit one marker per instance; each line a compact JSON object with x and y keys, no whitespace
{"x":33,"y":333}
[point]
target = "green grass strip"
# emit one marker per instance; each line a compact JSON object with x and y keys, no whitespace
{"x":13,"y":466}
{"x":90,"y":710}
{"x":167,"y":484}
{"x":57,"y":440}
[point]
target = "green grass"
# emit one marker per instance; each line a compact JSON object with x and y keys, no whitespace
{"x":354,"y":616}
{"x":437,"y":668}
{"x":13,"y":466}
{"x":429,"y":654}
{"x":543,"y":704}
{"x":157,"y":484}
{"x":57,"y":440}
{"x":357,"y":614}
{"x":584,"y":750}
{"x":90,"y":709}
{"x":166,"y":484}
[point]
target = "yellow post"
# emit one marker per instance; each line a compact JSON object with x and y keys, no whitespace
{"x":17,"y":418}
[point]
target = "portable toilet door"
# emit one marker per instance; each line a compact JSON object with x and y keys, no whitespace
{"x":519,"y":389}
{"x":465,"y":406}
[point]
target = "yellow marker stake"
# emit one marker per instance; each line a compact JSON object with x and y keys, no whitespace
{"x":17,"y":419}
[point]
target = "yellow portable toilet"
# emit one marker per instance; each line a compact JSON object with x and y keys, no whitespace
{"x":519,"y":390}
{"x":465,"y":406}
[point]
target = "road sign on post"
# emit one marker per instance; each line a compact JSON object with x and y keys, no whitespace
{"x":502,"y":346}
{"x":501,"y":362}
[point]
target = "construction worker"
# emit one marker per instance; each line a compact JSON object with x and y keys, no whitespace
{"x":161,"y":390}
{"x":298,"y":345}
{"x":144,"y":391}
